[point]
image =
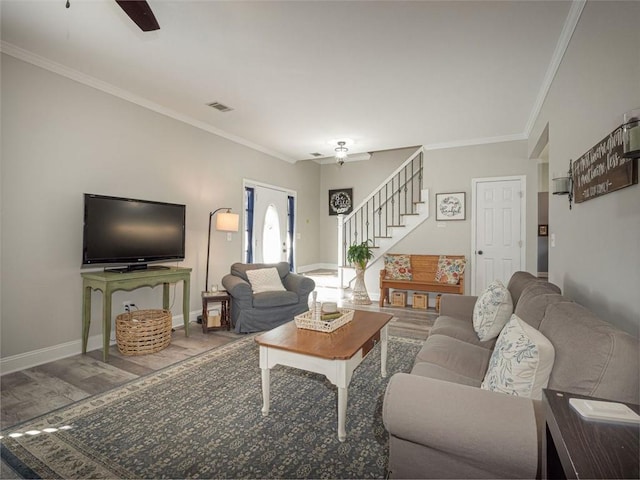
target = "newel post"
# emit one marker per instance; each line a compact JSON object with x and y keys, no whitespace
{"x":341,"y":259}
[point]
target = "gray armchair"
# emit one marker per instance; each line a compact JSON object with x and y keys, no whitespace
{"x":267,"y":310}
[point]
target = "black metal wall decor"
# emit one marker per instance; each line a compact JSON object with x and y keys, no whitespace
{"x":341,"y":201}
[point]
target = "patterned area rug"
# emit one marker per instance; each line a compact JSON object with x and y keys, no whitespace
{"x":201,"y":419}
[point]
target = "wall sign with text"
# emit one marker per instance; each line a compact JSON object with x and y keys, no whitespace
{"x":603,"y":169}
{"x":341,"y":201}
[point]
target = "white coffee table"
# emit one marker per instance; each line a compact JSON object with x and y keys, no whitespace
{"x":334,"y":355}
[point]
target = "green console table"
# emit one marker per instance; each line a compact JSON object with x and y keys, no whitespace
{"x":109,"y":282}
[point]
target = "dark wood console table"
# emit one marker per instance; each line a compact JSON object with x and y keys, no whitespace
{"x":223,"y":298}
{"x":573,"y":447}
{"x":109,"y":282}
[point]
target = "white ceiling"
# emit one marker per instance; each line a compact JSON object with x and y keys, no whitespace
{"x":386,"y":74}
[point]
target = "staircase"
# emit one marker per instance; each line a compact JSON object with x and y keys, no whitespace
{"x":388,"y":214}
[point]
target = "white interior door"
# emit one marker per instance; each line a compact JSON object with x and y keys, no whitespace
{"x":270,"y":225}
{"x":498,"y":249}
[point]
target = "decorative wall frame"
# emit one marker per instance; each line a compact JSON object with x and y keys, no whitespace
{"x":450,"y":206}
{"x":603,"y":169}
{"x":341,"y":201}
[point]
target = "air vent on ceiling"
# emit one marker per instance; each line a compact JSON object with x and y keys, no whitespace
{"x":316,"y":154}
{"x":219,"y":106}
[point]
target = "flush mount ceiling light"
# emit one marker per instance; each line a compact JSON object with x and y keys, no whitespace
{"x":341,"y":153}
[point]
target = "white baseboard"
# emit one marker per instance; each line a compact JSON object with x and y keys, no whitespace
{"x":317,"y":266}
{"x":34,"y":358}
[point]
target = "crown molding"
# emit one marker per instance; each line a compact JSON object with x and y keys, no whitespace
{"x":355,"y":157}
{"x":88,"y":80}
{"x":569,"y":27}
{"x":477,"y":141}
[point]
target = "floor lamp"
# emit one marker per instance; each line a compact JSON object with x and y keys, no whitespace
{"x":225,"y":222}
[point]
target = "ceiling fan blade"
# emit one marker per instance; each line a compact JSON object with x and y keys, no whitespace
{"x":140,"y":12}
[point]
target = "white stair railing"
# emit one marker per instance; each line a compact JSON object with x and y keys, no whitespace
{"x":383,"y":210}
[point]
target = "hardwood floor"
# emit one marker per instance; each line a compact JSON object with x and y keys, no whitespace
{"x":35,"y":391}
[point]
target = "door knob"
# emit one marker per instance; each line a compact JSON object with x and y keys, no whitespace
{"x":479,"y":252}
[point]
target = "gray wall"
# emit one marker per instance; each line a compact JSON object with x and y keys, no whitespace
{"x":451,"y":170}
{"x":595,"y":259}
{"x":61,"y":139}
{"x":447,"y":170}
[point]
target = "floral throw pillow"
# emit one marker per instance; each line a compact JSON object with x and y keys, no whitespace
{"x":398,"y":267}
{"x":521,"y":361}
{"x":492,"y":311}
{"x":450,"y":270}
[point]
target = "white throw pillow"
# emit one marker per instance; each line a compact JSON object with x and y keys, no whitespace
{"x":521,"y":361}
{"x":265,"y":280}
{"x":492,"y":311}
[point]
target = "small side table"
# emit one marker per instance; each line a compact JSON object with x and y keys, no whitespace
{"x":221,"y":297}
{"x":573,"y":447}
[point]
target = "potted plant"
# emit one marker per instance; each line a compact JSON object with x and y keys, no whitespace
{"x":359,"y":255}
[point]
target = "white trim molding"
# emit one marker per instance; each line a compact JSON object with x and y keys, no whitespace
{"x":110,"y":89}
{"x":570,"y":24}
{"x":34,"y":358}
{"x":476,"y":141}
{"x":317,"y":266}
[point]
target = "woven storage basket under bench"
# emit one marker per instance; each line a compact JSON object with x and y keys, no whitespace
{"x":143,"y":331}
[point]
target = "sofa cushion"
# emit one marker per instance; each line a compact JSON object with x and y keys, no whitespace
{"x":492,"y":311}
{"x":517,"y":283}
{"x":265,"y":280}
{"x":456,"y":355}
{"x":534,"y":300}
{"x":430,"y":370}
{"x":398,"y":267}
{"x":592,"y":357}
{"x":450,"y":270}
{"x":241,"y":269}
{"x":521,"y":361}
{"x":459,"y":328}
{"x":275,"y":299}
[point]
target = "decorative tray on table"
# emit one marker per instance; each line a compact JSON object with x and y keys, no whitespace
{"x":309,"y":321}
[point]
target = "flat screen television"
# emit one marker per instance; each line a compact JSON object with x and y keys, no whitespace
{"x":134,"y":232}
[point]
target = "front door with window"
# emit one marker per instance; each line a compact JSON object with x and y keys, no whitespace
{"x":270,"y":225}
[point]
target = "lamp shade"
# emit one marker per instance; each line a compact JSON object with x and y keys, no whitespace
{"x":561,"y":185}
{"x":631,"y":134}
{"x":227,"y":222}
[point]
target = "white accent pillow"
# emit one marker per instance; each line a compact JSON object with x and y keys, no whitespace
{"x":265,"y":280}
{"x":492,"y":311}
{"x":521,"y":361}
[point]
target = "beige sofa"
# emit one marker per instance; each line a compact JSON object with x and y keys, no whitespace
{"x":443,"y":425}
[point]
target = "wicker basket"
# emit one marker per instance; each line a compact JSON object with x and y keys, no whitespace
{"x":305,"y":320}
{"x":143,"y":331}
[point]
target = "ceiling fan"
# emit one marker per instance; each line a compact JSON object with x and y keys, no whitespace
{"x":139,"y":11}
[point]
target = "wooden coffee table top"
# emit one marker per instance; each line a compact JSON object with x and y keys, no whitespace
{"x":341,"y":344}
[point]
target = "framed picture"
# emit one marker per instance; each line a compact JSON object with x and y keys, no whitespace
{"x":341,"y":201}
{"x":450,"y":206}
{"x":543,"y":230}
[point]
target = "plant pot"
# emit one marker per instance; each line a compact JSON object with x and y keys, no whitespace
{"x":360,"y":295}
